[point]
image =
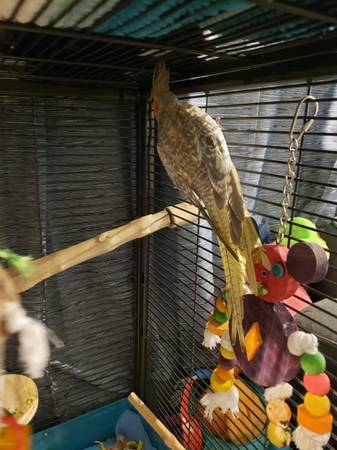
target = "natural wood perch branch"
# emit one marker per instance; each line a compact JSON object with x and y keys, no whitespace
{"x":168,"y":438}
{"x":105,"y":242}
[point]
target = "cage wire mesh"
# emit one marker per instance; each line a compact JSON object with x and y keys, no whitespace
{"x":185,"y":271}
{"x":68,"y":172}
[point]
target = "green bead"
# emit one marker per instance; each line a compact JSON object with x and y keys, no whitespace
{"x":220,"y":317}
{"x":313,"y":364}
{"x":277,"y":270}
{"x":262,"y":289}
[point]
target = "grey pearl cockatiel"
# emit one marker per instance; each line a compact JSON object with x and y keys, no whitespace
{"x":194,"y":153}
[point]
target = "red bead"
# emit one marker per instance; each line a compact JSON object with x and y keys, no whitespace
{"x":317,"y":384}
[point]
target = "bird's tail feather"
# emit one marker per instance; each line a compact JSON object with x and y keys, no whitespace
{"x":235,"y":279}
{"x":250,"y":240}
{"x":237,"y":262}
{"x":238,"y":271}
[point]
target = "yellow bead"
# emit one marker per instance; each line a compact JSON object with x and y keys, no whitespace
{"x":278,"y":411}
{"x":219,"y":385}
{"x":317,"y":405}
{"x":278,"y":436}
{"x":227,"y":354}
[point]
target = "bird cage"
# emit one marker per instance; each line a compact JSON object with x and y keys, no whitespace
{"x":78,"y":157}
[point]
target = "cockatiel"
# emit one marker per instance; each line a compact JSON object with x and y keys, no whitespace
{"x":194,"y":153}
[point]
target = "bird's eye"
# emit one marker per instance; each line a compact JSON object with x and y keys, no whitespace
{"x":264,"y":273}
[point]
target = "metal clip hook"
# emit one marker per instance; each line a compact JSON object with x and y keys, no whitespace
{"x":306,"y":127}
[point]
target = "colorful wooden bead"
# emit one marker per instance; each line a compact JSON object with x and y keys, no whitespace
{"x":227,"y":354}
{"x":216,"y":328}
{"x":317,"y":384}
{"x":218,"y":385}
{"x":220,"y":305}
{"x":307,"y":262}
{"x":317,"y":405}
{"x":225,"y":374}
{"x":226,"y":364}
{"x":278,"y":411}
{"x":317,"y":424}
{"x":278,"y":435}
{"x":313,"y":364}
{"x":221,"y":317}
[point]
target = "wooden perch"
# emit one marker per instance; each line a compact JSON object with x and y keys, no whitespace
{"x":105,"y":242}
{"x":168,"y":438}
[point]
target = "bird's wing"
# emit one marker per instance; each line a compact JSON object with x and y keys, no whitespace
{"x":212,"y":151}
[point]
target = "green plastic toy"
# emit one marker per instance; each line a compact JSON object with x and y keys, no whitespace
{"x":300,"y":232}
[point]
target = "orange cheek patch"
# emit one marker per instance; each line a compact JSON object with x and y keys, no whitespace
{"x":155,"y":106}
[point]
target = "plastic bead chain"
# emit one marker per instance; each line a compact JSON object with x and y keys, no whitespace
{"x":313,"y":416}
{"x":222,"y":378}
{"x":271,"y":336}
{"x":279,"y":415}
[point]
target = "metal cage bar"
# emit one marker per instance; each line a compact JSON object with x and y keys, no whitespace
{"x":184,"y":265}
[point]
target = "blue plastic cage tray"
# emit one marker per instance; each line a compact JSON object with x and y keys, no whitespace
{"x":81,"y":432}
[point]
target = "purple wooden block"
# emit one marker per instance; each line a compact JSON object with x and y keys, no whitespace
{"x":272,"y":363}
{"x":307,"y":262}
{"x":226,"y":364}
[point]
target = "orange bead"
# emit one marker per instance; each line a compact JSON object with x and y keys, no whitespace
{"x":217,"y":328}
{"x":220,"y":305}
{"x":225,"y":374}
{"x":320,"y":425}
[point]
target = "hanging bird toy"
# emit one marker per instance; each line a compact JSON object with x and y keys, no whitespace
{"x":274,"y":349}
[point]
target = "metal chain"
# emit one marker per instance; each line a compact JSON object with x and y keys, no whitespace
{"x":288,"y":189}
{"x":294,"y":141}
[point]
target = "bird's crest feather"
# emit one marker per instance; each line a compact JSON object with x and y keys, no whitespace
{"x":160,"y":81}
